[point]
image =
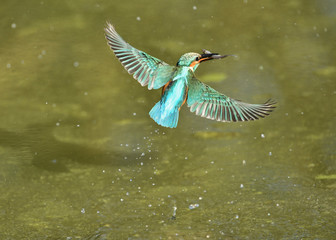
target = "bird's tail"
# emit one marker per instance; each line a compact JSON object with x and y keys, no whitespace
{"x":163,"y":117}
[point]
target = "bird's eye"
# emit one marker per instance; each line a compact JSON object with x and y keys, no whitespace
{"x":197,"y":58}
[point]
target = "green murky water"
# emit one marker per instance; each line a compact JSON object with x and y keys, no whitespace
{"x":81,"y":159}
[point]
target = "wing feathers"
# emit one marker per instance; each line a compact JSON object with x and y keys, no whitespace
{"x":141,"y":65}
{"x":207,"y":102}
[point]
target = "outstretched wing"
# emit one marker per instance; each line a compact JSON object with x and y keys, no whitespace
{"x":147,"y":70}
{"x":209,"y":103}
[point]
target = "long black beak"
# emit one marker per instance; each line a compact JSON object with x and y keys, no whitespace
{"x":207,"y":55}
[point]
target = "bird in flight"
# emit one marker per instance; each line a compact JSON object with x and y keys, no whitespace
{"x":179,"y":85}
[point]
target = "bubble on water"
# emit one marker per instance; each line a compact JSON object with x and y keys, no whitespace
{"x":138,"y":18}
{"x":13,"y":25}
{"x":8,"y":65}
{"x":241,"y":185}
{"x":237,"y":216}
{"x":76,"y":64}
{"x":261,"y":67}
{"x":270,"y":154}
{"x":57,"y":124}
{"x":244,"y":162}
{"x":194,"y":8}
{"x":262,"y":135}
{"x":83,"y":210}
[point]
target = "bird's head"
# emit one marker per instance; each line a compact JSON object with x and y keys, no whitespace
{"x":192,"y":60}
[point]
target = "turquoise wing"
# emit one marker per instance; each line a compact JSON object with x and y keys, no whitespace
{"x":207,"y":102}
{"x":147,"y":70}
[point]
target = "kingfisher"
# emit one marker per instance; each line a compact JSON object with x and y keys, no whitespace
{"x":180,"y":85}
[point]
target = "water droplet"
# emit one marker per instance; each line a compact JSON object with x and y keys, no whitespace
{"x":193,"y":206}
